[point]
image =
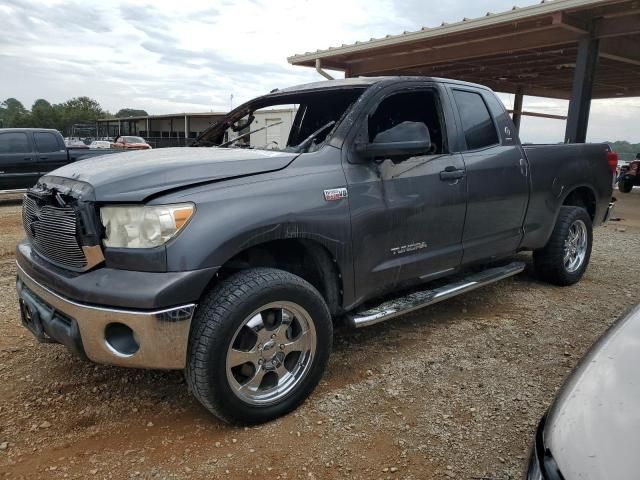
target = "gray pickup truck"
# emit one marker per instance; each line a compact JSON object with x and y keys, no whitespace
{"x":28,"y":153}
{"x":231,"y":262}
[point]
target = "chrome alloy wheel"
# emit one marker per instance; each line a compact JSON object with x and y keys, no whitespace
{"x":271,"y":353}
{"x":575,"y":246}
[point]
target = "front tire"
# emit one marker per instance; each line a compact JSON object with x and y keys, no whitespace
{"x":259,"y":344}
{"x":625,"y":186}
{"x":565,"y":257}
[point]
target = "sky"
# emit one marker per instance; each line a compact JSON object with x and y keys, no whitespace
{"x":193,"y":56}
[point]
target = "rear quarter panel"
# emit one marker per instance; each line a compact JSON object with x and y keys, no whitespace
{"x":556,"y":171}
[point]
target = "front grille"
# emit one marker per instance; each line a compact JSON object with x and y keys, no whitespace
{"x":52,"y":233}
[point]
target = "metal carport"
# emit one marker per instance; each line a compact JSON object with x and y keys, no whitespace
{"x":567,"y":49}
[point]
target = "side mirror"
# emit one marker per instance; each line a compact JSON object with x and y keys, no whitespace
{"x":406,"y":139}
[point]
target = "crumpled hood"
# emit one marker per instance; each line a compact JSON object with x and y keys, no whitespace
{"x":135,"y":175}
{"x":593,"y":427}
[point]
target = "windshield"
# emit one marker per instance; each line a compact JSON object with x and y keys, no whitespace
{"x":296,"y":122}
{"x":134,"y":140}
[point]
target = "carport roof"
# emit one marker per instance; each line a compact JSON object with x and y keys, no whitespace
{"x":530,"y":50}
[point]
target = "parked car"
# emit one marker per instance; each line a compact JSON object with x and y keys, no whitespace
{"x":102,"y":144}
{"x":129,"y":142}
{"x":28,"y":153}
{"x":74,"y":143}
{"x":232,"y":262}
{"x":629,"y":176}
{"x":591,"y":430}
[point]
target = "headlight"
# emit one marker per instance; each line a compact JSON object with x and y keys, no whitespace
{"x":143,"y":226}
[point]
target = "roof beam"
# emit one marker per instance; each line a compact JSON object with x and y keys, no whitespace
{"x":506,"y":45}
{"x":615,"y":27}
{"x":571,"y":23}
{"x":625,"y":50}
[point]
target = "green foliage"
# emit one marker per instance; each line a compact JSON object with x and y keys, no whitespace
{"x":10,"y":110}
{"x":45,"y":115}
{"x":130,"y":112}
{"x":626,"y":150}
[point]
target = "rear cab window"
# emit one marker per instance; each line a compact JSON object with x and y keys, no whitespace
{"x":477,"y":123}
{"x":14,"y":142}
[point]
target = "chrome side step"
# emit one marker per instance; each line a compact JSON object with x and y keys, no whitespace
{"x":416,"y":300}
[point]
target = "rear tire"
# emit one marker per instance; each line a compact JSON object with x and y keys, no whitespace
{"x":565,"y":257}
{"x":259,"y":344}
{"x":625,"y":186}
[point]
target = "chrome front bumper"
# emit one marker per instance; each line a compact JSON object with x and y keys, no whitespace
{"x":129,"y":338}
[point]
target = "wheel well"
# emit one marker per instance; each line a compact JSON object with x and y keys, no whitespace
{"x":305,"y":258}
{"x":582,"y":197}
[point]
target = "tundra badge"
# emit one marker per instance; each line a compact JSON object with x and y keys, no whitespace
{"x":333,"y":194}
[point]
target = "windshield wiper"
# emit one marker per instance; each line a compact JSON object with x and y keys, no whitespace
{"x":307,"y":141}
{"x":248,"y":133}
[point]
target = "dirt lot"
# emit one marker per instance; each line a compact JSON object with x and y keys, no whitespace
{"x":453,"y":391}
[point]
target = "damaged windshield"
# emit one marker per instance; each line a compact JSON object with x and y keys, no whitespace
{"x":295,"y":122}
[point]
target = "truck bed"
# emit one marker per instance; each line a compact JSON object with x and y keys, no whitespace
{"x":552,"y":169}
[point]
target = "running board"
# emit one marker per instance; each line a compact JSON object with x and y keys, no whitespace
{"x":413,"y":301}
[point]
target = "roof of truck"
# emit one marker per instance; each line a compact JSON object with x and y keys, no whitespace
{"x":368,"y":81}
{"x":52,"y":130}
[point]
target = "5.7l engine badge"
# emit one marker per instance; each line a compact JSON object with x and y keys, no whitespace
{"x":334,"y":194}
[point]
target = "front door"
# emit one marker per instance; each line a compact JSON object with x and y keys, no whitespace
{"x":497,"y":179}
{"x":18,"y":167}
{"x":407,"y":217}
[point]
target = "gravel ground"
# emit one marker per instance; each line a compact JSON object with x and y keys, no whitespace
{"x":452,"y":391}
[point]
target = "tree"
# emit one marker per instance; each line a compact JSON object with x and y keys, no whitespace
{"x":79,"y":110}
{"x":130,"y":112}
{"x":626,"y":150}
{"x":45,"y":115}
{"x":9,"y":110}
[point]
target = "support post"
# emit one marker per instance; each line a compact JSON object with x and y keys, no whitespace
{"x":517,"y":108}
{"x":148,"y":130}
{"x":186,"y":130}
{"x":580,"y":103}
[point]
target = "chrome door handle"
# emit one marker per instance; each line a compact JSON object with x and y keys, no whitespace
{"x":524,"y":169}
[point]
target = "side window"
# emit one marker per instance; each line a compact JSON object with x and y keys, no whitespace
{"x":420,"y":106}
{"x":479,"y":130}
{"x":14,"y":142}
{"x":46,"y":142}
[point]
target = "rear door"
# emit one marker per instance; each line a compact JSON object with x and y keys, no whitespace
{"x":497,"y":176}
{"x":407,"y":216}
{"x":18,"y":167}
{"x":51,"y":152}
